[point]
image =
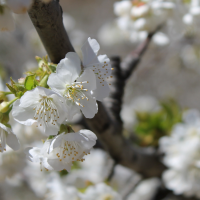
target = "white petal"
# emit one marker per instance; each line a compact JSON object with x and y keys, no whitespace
{"x":90,"y":107}
{"x":46,"y":164}
{"x":89,"y":76}
{"x":73,"y":109}
{"x":23,"y":115}
{"x":56,"y":83}
{"x":91,"y":138}
{"x":57,"y":141}
{"x":5,"y":128}
{"x":56,"y":164}
{"x":33,"y":154}
{"x":30,"y":98}
{"x":51,"y":129}
{"x":46,"y":92}
{"x":46,"y":147}
{"x":89,"y":51}
{"x":103,"y":58}
{"x":13,"y":142}
{"x":62,"y":108}
{"x":102,"y":90}
{"x":94,"y":45}
{"x":2,"y":140}
{"x":69,"y":68}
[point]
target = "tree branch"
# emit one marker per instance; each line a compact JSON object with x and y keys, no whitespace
{"x":133,"y":59}
{"x":48,"y":21}
{"x":47,"y":18}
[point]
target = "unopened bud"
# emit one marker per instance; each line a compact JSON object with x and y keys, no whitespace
{"x":21,"y":81}
{"x":43,"y":82}
{"x":4,"y":107}
{"x":42,"y":65}
{"x":3,"y":96}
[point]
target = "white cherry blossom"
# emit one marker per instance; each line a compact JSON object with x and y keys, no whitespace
{"x":122,"y":8}
{"x":100,"y":65}
{"x":182,"y":156}
{"x":40,"y":155}
{"x":9,"y":138}
{"x":41,"y":106}
{"x":71,"y":147}
{"x":101,"y":191}
{"x":75,"y":87}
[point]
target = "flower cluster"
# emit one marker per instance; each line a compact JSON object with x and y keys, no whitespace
{"x":139,"y":17}
{"x":49,"y":98}
{"x":182,"y":156}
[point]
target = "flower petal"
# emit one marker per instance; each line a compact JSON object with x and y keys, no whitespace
{"x":90,"y":106}
{"x":73,"y":109}
{"x":30,"y":98}
{"x":102,"y":90}
{"x":23,"y":115}
{"x":56,"y":84}
{"x":62,"y":108}
{"x":33,"y":154}
{"x":51,"y":129}
{"x":89,"y":51}
{"x":59,"y":165}
{"x":69,"y":68}
{"x":13,"y":142}
{"x":91,"y":138}
{"x":89,"y":76}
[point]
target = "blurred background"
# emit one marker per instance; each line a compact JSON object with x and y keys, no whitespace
{"x":158,"y":96}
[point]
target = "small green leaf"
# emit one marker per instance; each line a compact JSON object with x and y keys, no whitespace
{"x":11,"y":89}
{"x":30,"y":82}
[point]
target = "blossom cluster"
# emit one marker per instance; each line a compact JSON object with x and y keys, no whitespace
{"x":182,"y":156}
{"x":137,"y":18}
{"x":50,"y":98}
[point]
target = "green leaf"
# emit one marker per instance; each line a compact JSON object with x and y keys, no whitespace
{"x":29,"y":82}
{"x":11,"y":89}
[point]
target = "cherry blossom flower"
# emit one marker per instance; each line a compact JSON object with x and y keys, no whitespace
{"x":75,"y":87}
{"x":40,"y":155}
{"x":71,"y":147}
{"x":100,"y":65}
{"x":9,"y":138}
{"x":101,"y":191}
{"x":182,"y":156}
{"x":6,"y":19}
{"x":42,"y":106}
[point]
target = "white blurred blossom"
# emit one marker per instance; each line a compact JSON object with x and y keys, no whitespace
{"x":101,"y":191}
{"x":182,"y":156}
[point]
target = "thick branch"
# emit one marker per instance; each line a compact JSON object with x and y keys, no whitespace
{"x":48,"y":22}
{"x":47,"y":19}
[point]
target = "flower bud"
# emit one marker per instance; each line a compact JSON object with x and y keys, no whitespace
{"x":21,"y":81}
{"x":3,"y":96}
{"x":4,"y":107}
{"x":43,"y":82}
